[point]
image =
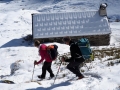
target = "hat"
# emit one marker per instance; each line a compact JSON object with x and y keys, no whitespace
{"x":37,"y":43}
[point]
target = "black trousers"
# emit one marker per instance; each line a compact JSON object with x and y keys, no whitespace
{"x":74,"y":67}
{"x":46,"y":67}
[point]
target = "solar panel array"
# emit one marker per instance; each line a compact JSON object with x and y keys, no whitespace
{"x":69,"y":23}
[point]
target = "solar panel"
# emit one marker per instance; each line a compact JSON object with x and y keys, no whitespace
{"x":47,"y":25}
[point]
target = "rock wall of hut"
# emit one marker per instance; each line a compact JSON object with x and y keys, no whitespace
{"x":95,"y":40}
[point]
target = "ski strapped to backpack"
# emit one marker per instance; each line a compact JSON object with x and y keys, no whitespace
{"x":85,"y":49}
{"x":52,"y":50}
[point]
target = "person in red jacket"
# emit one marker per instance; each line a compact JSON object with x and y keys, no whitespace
{"x":42,"y":49}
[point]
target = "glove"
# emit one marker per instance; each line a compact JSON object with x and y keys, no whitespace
{"x":35,"y":62}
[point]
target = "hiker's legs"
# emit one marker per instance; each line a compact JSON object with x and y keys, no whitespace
{"x":77,"y":72}
{"x":74,"y":67}
{"x":44,"y":68}
{"x":77,"y":68}
{"x":49,"y":69}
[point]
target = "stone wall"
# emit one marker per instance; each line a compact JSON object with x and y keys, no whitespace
{"x":95,"y":40}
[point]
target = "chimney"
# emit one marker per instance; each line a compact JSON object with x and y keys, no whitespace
{"x":102,"y":9}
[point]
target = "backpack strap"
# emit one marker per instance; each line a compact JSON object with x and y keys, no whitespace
{"x":79,"y":56}
{"x":72,"y":44}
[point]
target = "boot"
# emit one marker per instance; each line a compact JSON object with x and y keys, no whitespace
{"x":40,"y":77}
{"x":51,"y":76}
{"x":80,"y":77}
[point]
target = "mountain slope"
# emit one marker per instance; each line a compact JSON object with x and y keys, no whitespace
{"x":16,"y":23}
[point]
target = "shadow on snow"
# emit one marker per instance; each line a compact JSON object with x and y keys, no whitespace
{"x":95,"y":75}
{"x":17,"y":43}
{"x":4,"y":1}
{"x":66,"y":83}
{"x":31,"y":1}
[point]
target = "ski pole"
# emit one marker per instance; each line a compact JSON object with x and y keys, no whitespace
{"x":57,"y":72}
{"x":33,"y":72}
{"x":86,"y":66}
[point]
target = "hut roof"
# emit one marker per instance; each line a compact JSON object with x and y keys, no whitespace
{"x":47,"y":25}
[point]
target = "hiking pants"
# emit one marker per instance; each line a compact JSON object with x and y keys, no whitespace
{"x":74,"y":67}
{"x":46,"y":67}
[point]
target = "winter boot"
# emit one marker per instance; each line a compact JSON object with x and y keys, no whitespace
{"x":51,"y":76}
{"x":40,"y":77}
{"x":80,"y":77}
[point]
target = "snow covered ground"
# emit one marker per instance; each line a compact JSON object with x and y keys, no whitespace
{"x":15,"y":23}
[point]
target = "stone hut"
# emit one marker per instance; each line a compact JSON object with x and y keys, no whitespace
{"x":51,"y":27}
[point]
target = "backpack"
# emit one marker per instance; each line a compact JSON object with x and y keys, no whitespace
{"x":52,"y":51}
{"x":85,"y":49}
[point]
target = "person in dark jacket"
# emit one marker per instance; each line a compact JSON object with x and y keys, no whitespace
{"x":42,"y":50}
{"x":76,"y":57}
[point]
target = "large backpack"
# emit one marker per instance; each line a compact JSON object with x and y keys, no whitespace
{"x":52,"y":50}
{"x":85,"y":49}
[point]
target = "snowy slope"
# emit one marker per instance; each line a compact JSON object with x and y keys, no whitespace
{"x":15,"y":23}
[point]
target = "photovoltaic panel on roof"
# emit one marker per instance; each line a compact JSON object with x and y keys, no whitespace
{"x":69,"y":23}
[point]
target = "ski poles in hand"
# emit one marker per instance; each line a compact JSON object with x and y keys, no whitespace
{"x":33,"y":72}
{"x":57,"y":72}
{"x":35,"y":62}
{"x":33,"y":69}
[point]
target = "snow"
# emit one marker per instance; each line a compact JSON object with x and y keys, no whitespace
{"x":15,"y":23}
